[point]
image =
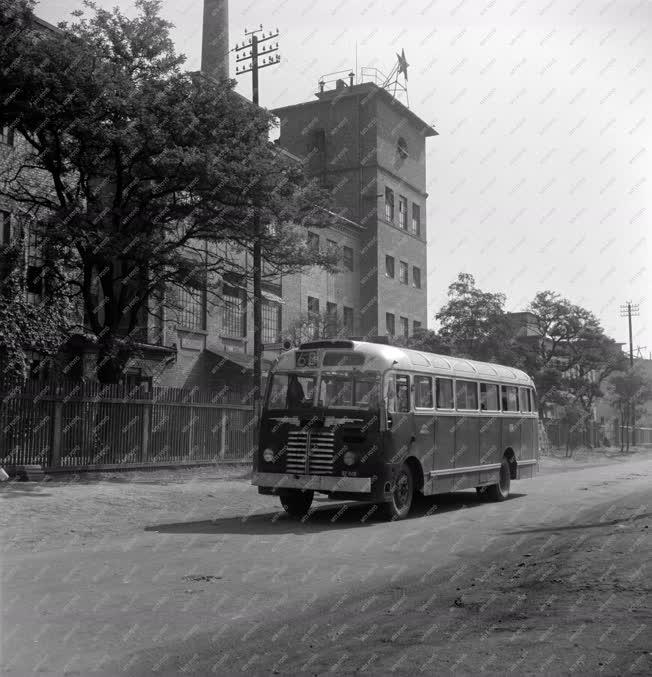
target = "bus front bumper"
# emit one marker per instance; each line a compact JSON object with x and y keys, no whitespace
{"x":279,"y":481}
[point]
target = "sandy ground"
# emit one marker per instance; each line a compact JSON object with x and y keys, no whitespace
{"x":192,"y":572}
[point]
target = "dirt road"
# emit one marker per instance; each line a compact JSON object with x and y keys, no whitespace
{"x":201,"y":576}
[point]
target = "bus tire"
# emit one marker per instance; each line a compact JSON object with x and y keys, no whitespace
{"x":500,"y":491}
{"x":402,"y":496}
{"x":296,"y":503}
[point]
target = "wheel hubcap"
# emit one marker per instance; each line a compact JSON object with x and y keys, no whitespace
{"x":402,"y":491}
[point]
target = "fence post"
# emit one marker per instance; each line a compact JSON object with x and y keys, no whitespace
{"x":55,"y":455}
{"x":223,"y":435}
{"x":146,"y":422}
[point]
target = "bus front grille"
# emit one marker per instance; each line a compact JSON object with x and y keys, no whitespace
{"x":310,"y":452}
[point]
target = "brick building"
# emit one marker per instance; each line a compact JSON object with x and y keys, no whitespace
{"x":369,"y":150}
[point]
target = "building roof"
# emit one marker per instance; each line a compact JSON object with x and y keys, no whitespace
{"x":370,"y":89}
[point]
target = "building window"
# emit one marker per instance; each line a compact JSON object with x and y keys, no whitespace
{"x":34,"y":279}
{"x":331,"y":246}
{"x":405,"y":327}
{"x":5,"y":227}
{"x":319,"y":140}
{"x":234,"y":313}
{"x":416,"y":220}
{"x":390,"y":325}
{"x":7,"y":135}
{"x":347,"y":258}
{"x":402,"y":148}
{"x":416,"y":277}
{"x":403,"y":272}
{"x":389,"y":266}
{"x":416,"y":325}
{"x":402,"y":212}
{"x":313,"y":305}
{"x":192,"y":309}
{"x":271,"y":322}
{"x":389,"y":205}
{"x":313,"y":241}
{"x":331,"y":320}
{"x":348,"y":319}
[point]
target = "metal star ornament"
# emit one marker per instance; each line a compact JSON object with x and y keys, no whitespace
{"x":402,"y":63}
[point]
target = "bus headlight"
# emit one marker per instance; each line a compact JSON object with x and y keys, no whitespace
{"x":268,"y":455}
{"x":349,"y":458}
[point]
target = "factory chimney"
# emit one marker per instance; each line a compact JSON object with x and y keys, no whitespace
{"x":215,"y":39}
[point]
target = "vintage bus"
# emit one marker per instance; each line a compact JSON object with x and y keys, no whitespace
{"x":371,"y":422}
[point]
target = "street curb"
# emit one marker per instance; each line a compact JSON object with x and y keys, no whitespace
{"x":36,"y":473}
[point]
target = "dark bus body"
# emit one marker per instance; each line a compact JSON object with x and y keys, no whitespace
{"x":371,"y":422}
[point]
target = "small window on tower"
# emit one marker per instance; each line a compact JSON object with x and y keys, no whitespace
{"x":347,"y":258}
{"x":389,"y":205}
{"x":402,"y":148}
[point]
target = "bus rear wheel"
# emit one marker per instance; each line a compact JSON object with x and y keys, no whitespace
{"x":399,"y":506}
{"x":500,"y":491}
{"x":296,"y":503}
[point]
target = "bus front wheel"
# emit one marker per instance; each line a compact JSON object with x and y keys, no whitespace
{"x":399,"y":506}
{"x":499,"y":491}
{"x":296,"y":503}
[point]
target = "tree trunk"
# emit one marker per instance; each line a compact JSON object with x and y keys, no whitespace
{"x":112,"y":358}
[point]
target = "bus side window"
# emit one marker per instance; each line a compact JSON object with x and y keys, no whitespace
{"x":444,"y":391}
{"x":402,"y":393}
{"x":423,"y":392}
{"x":391,"y":395}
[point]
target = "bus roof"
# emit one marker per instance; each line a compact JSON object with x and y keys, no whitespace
{"x":380,"y":357}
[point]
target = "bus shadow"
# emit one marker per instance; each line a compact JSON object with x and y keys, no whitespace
{"x":329,"y":517}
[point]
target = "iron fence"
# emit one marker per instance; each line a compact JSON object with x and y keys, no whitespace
{"x":561,"y":435}
{"x":81,"y":425}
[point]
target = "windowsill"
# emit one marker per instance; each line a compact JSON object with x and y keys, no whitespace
{"x":189,"y":330}
{"x":227,"y":337}
{"x":402,"y":230}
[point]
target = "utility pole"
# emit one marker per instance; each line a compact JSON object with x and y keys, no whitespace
{"x":630,"y":310}
{"x":252,"y":45}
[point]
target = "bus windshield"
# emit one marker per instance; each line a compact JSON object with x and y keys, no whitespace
{"x":291,"y":391}
{"x":346,"y":389}
{"x":337,"y":389}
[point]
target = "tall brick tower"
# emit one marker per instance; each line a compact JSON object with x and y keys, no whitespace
{"x":369,"y":149}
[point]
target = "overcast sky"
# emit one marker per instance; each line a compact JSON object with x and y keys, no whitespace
{"x":540,"y":178}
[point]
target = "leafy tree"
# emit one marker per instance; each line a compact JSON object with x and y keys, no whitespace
{"x":146,"y":172}
{"x":474,"y":323}
{"x":627,"y":392}
{"x":26,"y":328}
{"x":427,"y":340}
{"x":568,"y":354}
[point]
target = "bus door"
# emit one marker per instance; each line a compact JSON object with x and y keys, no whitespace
{"x":400,"y":421}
